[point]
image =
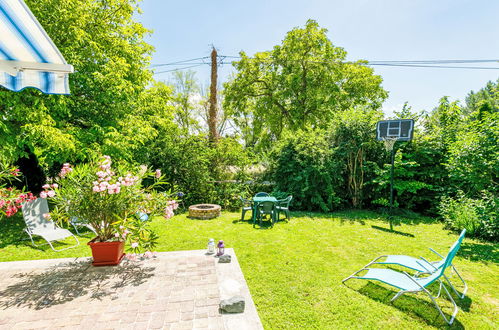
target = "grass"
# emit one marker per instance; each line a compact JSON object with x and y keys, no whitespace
{"x":294,"y":270}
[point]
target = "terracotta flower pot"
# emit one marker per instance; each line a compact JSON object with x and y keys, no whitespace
{"x":107,"y":253}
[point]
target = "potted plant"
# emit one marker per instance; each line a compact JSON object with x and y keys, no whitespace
{"x":113,"y":201}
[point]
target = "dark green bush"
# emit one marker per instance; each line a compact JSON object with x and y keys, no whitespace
{"x":302,"y":165}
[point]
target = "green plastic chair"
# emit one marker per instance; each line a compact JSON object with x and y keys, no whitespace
{"x":247,"y":206}
{"x":414,"y":284}
{"x":262,"y":194}
{"x":266,"y":208}
{"x":283,"y":206}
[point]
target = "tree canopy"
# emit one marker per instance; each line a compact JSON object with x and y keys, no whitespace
{"x":299,"y":83}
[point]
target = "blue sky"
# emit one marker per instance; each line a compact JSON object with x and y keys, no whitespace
{"x":372,"y":30}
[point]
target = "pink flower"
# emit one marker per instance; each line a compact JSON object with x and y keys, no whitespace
{"x":46,"y":215}
{"x":101,"y":174}
{"x":46,"y":186}
{"x":116,"y":235}
{"x":135,"y":245}
{"x":55,"y":186}
{"x":51,"y":193}
{"x":173,"y":204}
{"x":117,"y":190}
{"x":43,"y":194}
{"x":158,"y":173}
{"x":96,"y":189}
{"x":168,"y":212}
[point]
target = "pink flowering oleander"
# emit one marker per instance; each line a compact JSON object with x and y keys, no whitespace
{"x":43,"y":194}
{"x":46,"y":186}
{"x":109,"y":198}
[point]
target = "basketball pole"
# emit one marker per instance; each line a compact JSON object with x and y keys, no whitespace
{"x":391,"y":187}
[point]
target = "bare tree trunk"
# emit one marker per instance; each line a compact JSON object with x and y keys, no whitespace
{"x":355,"y":176}
{"x":212,"y":113}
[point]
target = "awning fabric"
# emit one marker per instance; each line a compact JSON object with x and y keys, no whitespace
{"x":28,"y":57}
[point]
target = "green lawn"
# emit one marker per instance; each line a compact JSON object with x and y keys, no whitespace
{"x":294,"y":270}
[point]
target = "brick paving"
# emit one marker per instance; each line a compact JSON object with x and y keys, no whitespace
{"x":176,"y":290}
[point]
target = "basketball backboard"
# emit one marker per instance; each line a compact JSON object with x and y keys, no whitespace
{"x":400,"y":129}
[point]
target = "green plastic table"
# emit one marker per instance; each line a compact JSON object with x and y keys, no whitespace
{"x":258,"y":200}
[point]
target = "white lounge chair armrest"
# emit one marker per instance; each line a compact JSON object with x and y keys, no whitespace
{"x":438,"y":254}
{"x":429,"y":263}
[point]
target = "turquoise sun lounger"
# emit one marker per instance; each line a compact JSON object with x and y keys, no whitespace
{"x":423,"y":266}
{"x":414,"y":284}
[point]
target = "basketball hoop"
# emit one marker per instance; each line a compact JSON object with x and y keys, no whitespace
{"x":391,"y":131}
{"x":389,"y":142}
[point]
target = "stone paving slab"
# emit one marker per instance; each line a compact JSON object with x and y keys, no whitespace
{"x":176,"y":290}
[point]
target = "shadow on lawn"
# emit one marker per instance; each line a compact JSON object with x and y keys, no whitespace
{"x":414,"y":305}
{"x":266,"y":224}
{"x":392,"y":231}
{"x":68,"y":281}
{"x":12,"y":232}
{"x":479,"y":252}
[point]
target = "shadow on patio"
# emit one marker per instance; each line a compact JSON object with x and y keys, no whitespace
{"x":68,"y":281}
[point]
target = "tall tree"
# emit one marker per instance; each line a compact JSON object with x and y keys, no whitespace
{"x":186,"y":92}
{"x":300,"y":83}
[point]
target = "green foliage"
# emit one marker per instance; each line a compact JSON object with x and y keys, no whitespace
{"x":405,"y":185}
{"x":355,"y":145}
{"x":104,"y":43}
{"x":193,"y":166}
{"x":473,"y":161}
{"x":301,"y":83}
{"x":186,"y":87}
{"x":478,"y":216}
{"x":303,"y":166}
{"x":488,"y":95}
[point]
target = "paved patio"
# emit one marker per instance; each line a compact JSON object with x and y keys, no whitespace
{"x":176,"y":290}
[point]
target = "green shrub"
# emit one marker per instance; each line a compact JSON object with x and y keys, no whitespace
{"x":302,"y":165}
{"x":477,"y":216}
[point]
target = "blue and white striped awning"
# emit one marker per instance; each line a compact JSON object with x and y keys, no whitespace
{"x":28,"y":57}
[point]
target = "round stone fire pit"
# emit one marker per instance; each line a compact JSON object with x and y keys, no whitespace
{"x":204,"y":211}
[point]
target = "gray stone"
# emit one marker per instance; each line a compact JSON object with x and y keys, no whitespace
{"x":224,"y":258}
{"x":233,"y":305}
